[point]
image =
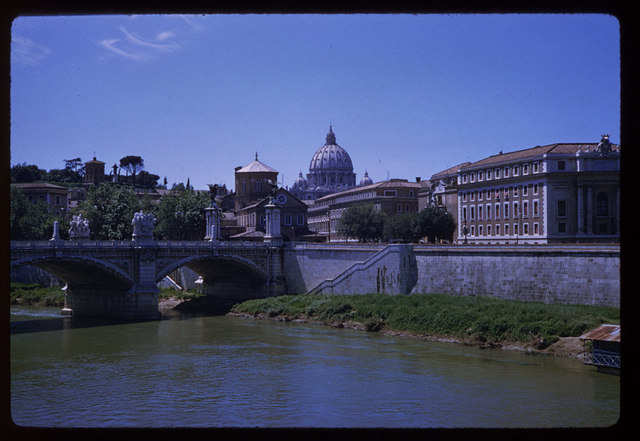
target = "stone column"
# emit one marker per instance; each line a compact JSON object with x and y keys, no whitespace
{"x":212,"y":215}
{"x":272,"y":234}
{"x":580,"y":209}
{"x":617,"y":212}
{"x":589,"y":210}
{"x":56,"y":232}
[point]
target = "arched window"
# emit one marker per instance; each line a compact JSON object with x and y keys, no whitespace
{"x":602,"y":204}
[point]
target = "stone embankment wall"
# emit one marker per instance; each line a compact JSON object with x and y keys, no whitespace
{"x":551,"y":274}
{"x":588,"y":275}
{"x":307,"y":265}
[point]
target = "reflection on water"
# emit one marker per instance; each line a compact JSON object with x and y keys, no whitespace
{"x":199,"y":371}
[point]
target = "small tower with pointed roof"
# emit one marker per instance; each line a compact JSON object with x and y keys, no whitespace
{"x":254,"y":181}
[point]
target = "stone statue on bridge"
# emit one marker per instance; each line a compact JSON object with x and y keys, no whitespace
{"x":213,"y":214}
{"x":79,"y":228}
{"x":143,"y":224}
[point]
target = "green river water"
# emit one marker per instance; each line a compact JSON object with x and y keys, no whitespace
{"x":220,"y":371}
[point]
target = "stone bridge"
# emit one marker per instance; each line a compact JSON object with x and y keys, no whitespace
{"x":119,"y":278}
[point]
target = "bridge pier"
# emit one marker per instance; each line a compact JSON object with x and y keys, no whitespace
{"x":117,"y":304}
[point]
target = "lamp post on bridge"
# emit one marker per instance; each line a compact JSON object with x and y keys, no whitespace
{"x":212,"y":216}
{"x":272,"y":227}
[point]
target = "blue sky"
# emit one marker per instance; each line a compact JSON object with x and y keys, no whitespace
{"x":407,"y":95}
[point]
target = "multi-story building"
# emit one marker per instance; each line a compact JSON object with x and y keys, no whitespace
{"x":394,"y":196}
{"x":93,"y":172}
{"x":441,"y":190}
{"x":564,"y":192}
{"x":293,"y":217}
{"x":254,"y":182}
{"x":55,"y":196}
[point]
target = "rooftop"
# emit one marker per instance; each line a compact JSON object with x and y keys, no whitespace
{"x":603,"y":333}
{"x":391,"y":183}
{"x":39,"y":185}
{"x":448,"y":172}
{"x":537,"y":151}
{"x":256,"y":166}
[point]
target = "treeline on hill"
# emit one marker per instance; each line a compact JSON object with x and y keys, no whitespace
{"x":74,"y":171}
{"x":109,"y":208}
{"x":367,"y":224}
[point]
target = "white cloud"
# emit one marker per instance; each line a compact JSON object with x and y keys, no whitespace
{"x":110,"y":45}
{"x":25,"y":51}
{"x":165,"y":35}
{"x":138,"y":41}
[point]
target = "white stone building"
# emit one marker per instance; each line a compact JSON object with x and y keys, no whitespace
{"x":564,"y":192}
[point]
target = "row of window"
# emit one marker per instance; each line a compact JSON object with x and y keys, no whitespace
{"x":403,"y":208}
{"x":505,"y":210}
{"x":287,"y":219}
{"x":514,"y":191}
{"x":508,"y":230}
{"x":501,"y":172}
{"x":257,"y":185}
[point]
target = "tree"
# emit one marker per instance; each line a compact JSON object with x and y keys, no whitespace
{"x":26,"y":173}
{"x":27,"y":220}
{"x":363,"y":222}
{"x":65,"y":175}
{"x":74,"y":164}
{"x":110,"y":209}
{"x":147,"y":180}
{"x":401,"y":227}
{"x":132,"y":165}
{"x":181,"y":215}
{"x":435,"y":222}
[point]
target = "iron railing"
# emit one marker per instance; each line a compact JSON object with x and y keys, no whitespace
{"x":603,"y":358}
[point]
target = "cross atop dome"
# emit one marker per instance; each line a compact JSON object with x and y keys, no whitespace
{"x":331,"y":137}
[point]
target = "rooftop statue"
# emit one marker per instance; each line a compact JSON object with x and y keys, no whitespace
{"x":143,"y":224}
{"x":604,"y":146}
{"x":79,"y":228}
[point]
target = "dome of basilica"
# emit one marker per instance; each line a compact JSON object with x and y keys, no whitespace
{"x":331,"y":157}
{"x":366,"y":180}
{"x":330,"y":171}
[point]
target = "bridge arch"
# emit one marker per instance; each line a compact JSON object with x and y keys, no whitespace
{"x":81,"y":271}
{"x":216,"y":267}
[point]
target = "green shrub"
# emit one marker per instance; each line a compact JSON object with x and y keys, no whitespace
{"x":483,"y":317}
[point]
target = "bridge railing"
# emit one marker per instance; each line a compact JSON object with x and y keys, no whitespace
{"x":45,"y":244}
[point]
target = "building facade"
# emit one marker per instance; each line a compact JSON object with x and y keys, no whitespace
{"x":558,"y":193}
{"x":441,"y":190}
{"x":293,"y":217}
{"x":254,"y":182}
{"x":93,"y":172}
{"x":55,"y":196}
{"x":394,"y":196}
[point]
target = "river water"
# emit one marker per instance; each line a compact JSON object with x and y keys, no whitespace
{"x":220,"y":371}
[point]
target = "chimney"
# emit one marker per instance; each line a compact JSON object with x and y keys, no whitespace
{"x":417,"y":178}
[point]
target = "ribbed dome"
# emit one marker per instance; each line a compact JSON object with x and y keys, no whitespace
{"x":300,"y":183}
{"x":366,"y":180}
{"x":331,"y":156}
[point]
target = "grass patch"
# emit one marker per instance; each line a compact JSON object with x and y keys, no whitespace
{"x":480,"y":318}
{"x":35,"y":295}
{"x":166,"y":293}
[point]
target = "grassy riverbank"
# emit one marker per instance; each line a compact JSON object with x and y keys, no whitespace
{"x":168,"y":293}
{"x":474,"y":320}
{"x":35,"y":295}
